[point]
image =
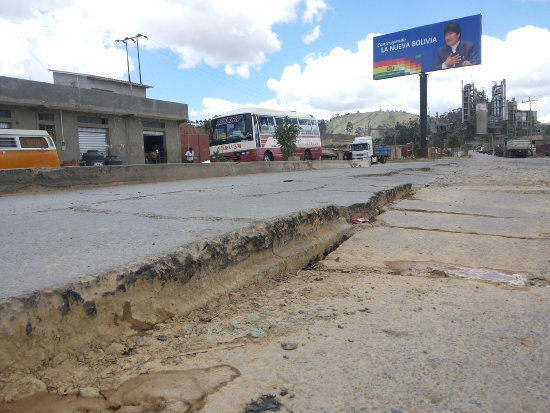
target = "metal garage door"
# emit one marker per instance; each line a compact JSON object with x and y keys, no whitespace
{"x":92,"y":139}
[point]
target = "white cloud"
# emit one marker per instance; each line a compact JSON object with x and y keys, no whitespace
{"x":341,"y":81}
{"x":18,"y":11}
{"x":314,"y":10}
{"x":80,"y":35}
{"x":64,"y":39}
{"x":314,"y":35}
{"x":214,"y":106}
{"x":241,"y":70}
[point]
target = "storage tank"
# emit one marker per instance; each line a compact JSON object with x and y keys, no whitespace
{"x":481,"y":118}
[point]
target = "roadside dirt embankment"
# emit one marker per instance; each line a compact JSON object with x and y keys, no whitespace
{"x":41,"y":328}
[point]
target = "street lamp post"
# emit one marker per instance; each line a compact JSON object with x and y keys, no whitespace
{"x":139,"y":60}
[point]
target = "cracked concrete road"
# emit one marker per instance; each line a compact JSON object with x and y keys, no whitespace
{"x":382,"y":340}
{"x":49,"y":240}
{"x":354,"y":333}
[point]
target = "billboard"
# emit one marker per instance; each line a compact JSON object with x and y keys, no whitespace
{"x":438,"y":46}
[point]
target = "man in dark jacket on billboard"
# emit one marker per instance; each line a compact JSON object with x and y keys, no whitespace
{"x":457,"y":52}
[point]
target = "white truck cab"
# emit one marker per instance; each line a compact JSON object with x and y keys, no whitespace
{"x":362,"y":148}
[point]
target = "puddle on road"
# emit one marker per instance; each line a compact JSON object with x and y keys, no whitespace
{"x":161,"y":391}
{"x":434,"y":269}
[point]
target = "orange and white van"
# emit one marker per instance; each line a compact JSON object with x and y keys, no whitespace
{"x":21,"y":148}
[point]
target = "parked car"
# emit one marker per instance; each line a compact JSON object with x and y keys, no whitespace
{"x":21,"y":148}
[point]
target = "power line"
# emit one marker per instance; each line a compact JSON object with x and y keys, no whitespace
{"x":210,"y":74}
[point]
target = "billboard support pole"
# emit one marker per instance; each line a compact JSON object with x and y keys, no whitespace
{"x":423,"y":109}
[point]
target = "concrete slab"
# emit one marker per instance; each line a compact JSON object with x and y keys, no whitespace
{"x":50,"y":239}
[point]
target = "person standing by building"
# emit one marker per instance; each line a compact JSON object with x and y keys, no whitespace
{"x":190,"y":155}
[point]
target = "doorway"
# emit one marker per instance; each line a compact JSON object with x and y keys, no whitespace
{"x":153,"y":146}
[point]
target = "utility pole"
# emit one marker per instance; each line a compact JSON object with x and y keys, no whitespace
{"x":125,"y":41}
{"x":530,"y":121}
{"x":136,"y":40}
{"x":137,"y":36}
{"x":423,"y":109}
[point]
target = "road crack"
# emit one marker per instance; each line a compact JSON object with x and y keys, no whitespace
{"x":166,"y":217}
{"x":427,"y":211}
{"x":464,"y":232}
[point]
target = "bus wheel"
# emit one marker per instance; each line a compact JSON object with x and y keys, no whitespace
{"x":268,"y":157}
{"x":307,"y":156}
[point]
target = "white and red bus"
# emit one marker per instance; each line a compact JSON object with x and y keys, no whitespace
{"x":248,"y":135}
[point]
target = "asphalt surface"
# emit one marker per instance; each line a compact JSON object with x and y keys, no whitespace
{"x":355,"y":332}
{"x":49,"y":240}
{"x":371,"y":338}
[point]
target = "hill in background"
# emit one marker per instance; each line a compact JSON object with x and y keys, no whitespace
{"x":375,"y":124}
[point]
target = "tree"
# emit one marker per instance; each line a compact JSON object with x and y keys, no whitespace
{"x":407,"y":133}
{"x":453,"y":116}
{"x":469,"y":131}
{"x":349,"y":127}
{"x":206,"y":125}
{"x":388,"y":139}
{"x":322,"y":127}
{"x":359,"y":131}
{"x":454,"y":141}
{"x":285,"y":135}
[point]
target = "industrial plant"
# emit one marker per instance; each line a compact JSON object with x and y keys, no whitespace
{"x":496,"y":116}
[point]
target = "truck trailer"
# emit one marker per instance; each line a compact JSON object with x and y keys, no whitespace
{"x":516,"y":148}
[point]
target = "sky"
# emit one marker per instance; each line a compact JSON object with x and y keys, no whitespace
{"x":312,"y":56}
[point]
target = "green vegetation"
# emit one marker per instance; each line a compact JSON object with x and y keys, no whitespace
{"x":454,"y":140}
{"x":219,"y":157}
{"x":285,"y":135}
{"x":403,"y":133}
{"x":322,"y":127}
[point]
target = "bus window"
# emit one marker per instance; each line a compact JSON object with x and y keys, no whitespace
{"x":314,"y":128}
{"x":280,"y":121}
{"x":232,"y":128}
{"x":33,"y":142}
{"x":8,"y":142}
{"x":305,"y":126}
{"x":256,"y":127}
{"x":266,"y":124}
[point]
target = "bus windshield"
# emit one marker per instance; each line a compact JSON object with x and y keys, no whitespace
{"x":235,"y":128}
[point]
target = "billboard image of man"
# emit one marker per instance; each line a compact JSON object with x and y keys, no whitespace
{"x":456,"y":52}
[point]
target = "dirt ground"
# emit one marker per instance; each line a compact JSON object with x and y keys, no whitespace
{"x":394,"y":320}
